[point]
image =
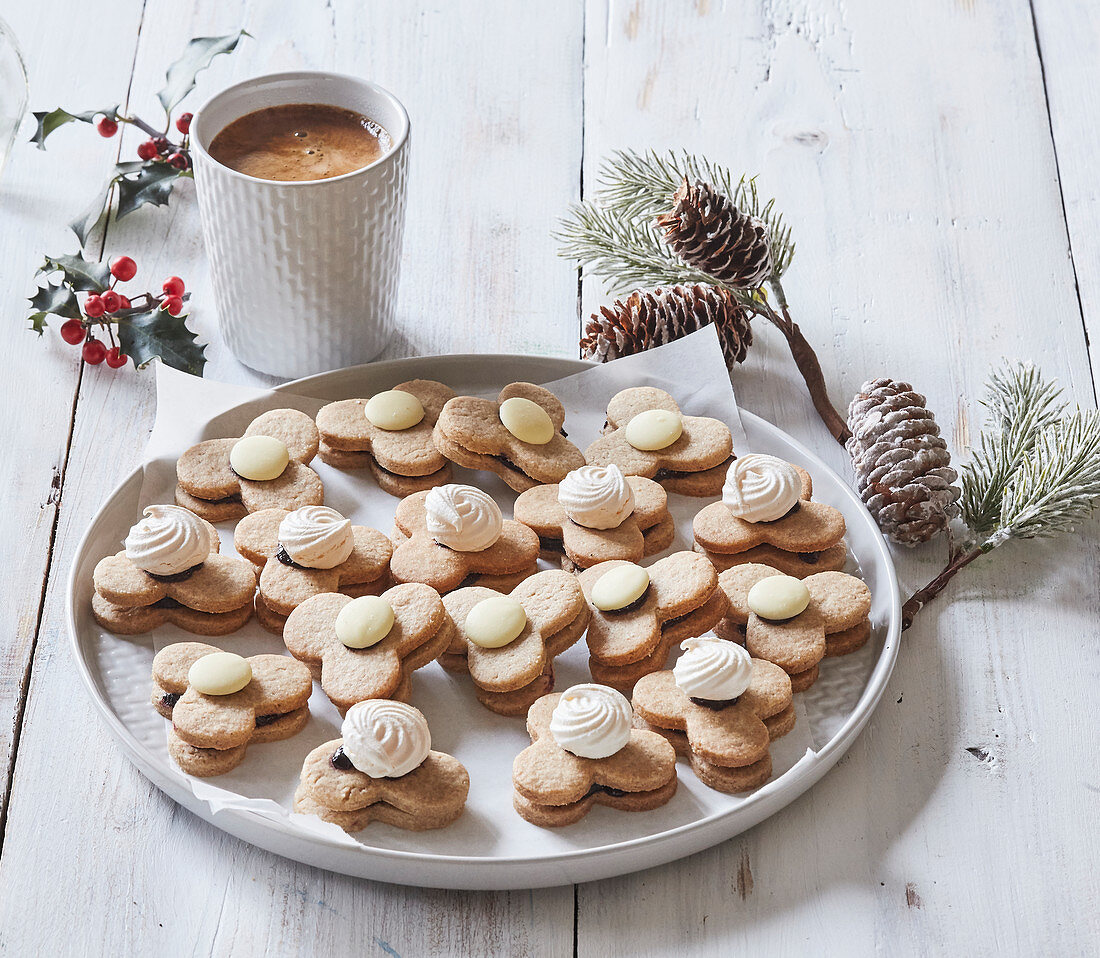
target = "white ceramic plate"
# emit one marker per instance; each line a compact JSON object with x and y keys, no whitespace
{"x":487,"y":854}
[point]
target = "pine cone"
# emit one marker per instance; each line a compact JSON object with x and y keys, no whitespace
{"x":653,"y":318}
{"x":708,"y":232}
{"x":903,"y":468}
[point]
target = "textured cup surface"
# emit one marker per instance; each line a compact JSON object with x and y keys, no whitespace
{"x":305,"y":272}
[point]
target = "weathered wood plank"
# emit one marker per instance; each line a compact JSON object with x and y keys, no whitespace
{"x":496,"y":150}
{"x":910,"y":151}
{"x":39,"y":194}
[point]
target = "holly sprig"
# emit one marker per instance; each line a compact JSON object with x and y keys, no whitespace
{"x":162,"y":161}
{"x":141,"y":328}
{"x":146,"y":326}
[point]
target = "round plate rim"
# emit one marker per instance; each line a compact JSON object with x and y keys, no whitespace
{"x":470,"y":872}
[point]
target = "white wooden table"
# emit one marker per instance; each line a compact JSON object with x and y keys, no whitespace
{"x":937,"y":164}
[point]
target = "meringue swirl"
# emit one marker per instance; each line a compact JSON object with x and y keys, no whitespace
{"x":713,"y":669}
{"x":385,"y":739}
{"x":596,"y":497}
{"x":316,"y":537}
{"x":463,"y":518}
{"x":592,"y":721}
{"x":761,"y":488}
{"x":169,"y":540}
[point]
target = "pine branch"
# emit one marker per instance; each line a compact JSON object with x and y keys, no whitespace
{"x":1021,"y":406}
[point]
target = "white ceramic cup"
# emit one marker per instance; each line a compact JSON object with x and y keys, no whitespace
{"x":305,"y":272}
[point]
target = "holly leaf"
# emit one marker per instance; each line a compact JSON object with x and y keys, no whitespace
{"x":152,"y":185}
{"x":59,"y":300}
{"x":181,"y":74}
{"x":54,"y":119}
{"x":91,"y":217}
{"x":79,"y":274}
{"x":157,"y":334}
{"x":38,"y":322}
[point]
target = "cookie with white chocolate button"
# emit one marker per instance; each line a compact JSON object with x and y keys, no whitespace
{"x":306,"y":552}
{"x":795,"y":623}
{"x":220,"y":703}
{"x":719,"y":708}
{"x":170,"y":571}
{"x":647,"y":435}
{"x":508,"y":642}
{"x":455,"y":535}
{"x":382,"y":769}
{"x":596,"y":514}
{"x":367,"y":647}
{"x":390,"y":434}
{"x":639,"y":613}
{"x":267,"y":468}
{"x":519,"y":435}
{"x":767,"y":516}
{"x":585,"y":751}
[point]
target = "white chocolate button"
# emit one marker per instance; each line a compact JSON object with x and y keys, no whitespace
{"x":219,"y":673}
{"x":616,"y":589}
{"x":364,"y":622}
{"x":654,"y":429}
{"x":394,"y":410}
{"x":527,"y":421}
{"x":495,"y":622}
{"x":778,"y":597}
{"x":259,"y":457}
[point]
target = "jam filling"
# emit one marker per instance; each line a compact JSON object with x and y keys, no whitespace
{"x":284,"y":557}
{"x":340,"y":760}
{"x":169,"y":699}
{"x":176,"y":576}
{"x":715,"y":705}
{"x":267,"y":719}
{"x":675,"y":474}
{"x":607,"y":790}
{"x":809,"y":557}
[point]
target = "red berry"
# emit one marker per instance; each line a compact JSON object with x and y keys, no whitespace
{"x":125,"y":302}
{"x":123,"y":268}
{"x":174,"y":305}
{"x":93,"y":306}
{"x":106,"y":126}
{"x":161,"y":143}
{"x":183,"y":124}
{"x":94,"y":352}
{"x":173,"y":286}
{"x":179,"y":161}
{"x":115,"y":359}
{"x":72,"y":331}
{"x":111,"y":301}
{"x":147,"y":150}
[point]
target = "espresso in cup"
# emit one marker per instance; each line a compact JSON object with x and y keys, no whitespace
{"x":300,"y":141}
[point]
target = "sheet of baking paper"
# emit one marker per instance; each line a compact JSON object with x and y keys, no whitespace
{"x":190,"y":410}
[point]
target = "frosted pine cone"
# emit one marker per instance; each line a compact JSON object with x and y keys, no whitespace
{"x":708,"y":232}
{"x":903,"y":468}
{"x":653,"y":318}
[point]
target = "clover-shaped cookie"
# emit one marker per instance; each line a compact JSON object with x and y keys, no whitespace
{"x":209,"y":486}
{"x":833,"y":622}
{"x":811,"y":527}
{"x":508,"y":678}
{"x":554,"y":787}
{"x":692,"y":464}
{"x":419,"y":557}
{"x":285,"y":583}
{"x":315,"y":634}
{"x":798,"y":564}
{"x":647,"y":530}
{"x":211,"y":598}
{"x":472,"y":432}
{"x":726,"y":746}
{"x":682,"y":599}
{"x":211,"y":729}
{"x":403,"y":459}
{"x":382,"y":769}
